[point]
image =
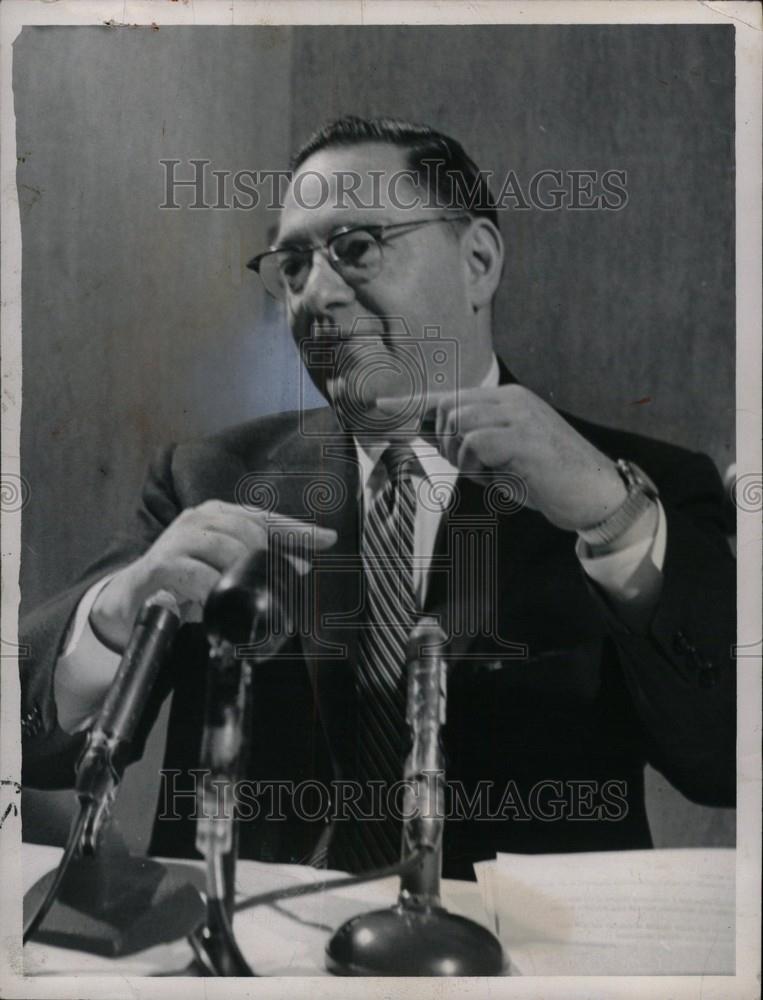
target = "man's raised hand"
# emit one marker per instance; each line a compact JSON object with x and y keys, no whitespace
{"x":190,"y":556}
{"x":509,"y":430}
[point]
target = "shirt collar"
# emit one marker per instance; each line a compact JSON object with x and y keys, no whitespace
{"x":437,"y":470}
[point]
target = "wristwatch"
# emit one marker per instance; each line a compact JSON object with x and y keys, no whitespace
{"x":641,"y":493}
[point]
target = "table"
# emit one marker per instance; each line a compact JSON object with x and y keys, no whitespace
{"x":282,"y":939}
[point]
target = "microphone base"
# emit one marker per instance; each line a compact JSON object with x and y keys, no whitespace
{"x":118,"y":906}
{"x":414,"y":940}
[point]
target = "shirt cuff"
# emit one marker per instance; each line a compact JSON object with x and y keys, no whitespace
{"x":85,"y":669}
{"x":633,"y":573}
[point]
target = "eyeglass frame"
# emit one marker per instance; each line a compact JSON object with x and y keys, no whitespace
{"x":375,"y":230}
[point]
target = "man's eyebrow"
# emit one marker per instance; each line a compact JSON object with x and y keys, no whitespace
{"x":299,"y":238}
{"x":296,"y":238}
{"x":292,"y":242}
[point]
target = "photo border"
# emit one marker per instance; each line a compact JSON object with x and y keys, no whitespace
{"x":747,"y":20}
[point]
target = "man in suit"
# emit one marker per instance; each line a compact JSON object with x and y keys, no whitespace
{"x":580,"y":573}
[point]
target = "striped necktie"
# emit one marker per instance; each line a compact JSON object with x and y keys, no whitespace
{"x":387,"y":555}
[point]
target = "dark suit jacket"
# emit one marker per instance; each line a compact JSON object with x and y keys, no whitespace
{"x":589,"y":701}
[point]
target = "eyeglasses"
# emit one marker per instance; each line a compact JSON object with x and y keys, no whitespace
{"x":355,"y":252}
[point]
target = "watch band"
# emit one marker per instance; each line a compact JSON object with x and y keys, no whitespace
{"x":641,"y":493}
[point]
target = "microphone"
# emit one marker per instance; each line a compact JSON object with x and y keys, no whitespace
{"x":247,"y":620}
{"x":424,"y":770}
{"x":251,"y":604}
{"x":102,"y":763}
{"x":418,"y":936}
{"x":101,"y":898}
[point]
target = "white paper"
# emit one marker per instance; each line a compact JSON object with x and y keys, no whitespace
{"x":663,"y":912}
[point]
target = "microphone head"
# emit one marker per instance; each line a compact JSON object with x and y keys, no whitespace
{"x":248,"y":605}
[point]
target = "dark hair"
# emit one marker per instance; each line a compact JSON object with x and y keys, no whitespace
{"x":452,"y":177}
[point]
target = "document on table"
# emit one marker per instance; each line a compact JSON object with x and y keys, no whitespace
{"x":660,"y":912}
{"x":622,"y":913}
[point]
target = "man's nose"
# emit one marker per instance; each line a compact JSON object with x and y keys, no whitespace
{"x":325,"y":289}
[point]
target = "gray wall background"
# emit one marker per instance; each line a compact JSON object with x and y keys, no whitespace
{"x":141,"y":326}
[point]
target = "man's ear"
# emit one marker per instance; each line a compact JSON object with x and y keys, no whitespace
{"x":483,"y":255}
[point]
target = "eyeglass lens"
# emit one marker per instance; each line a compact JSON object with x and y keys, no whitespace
{"x":356,"y":254}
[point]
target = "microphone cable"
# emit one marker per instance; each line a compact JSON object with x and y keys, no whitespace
{"x":75,"y":833}
{"x":398,"y":868}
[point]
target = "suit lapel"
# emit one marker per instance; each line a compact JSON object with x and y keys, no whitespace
{"x":320,"y":485}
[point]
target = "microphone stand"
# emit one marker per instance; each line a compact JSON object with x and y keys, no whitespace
{"x":246,"y":611}
{"x":101,"y":898}
{"x":226,"y":737}
{"x":418,"y":936}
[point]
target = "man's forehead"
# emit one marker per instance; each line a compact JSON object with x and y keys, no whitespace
{"x":349,"y":185}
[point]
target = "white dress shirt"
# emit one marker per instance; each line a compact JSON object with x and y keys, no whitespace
{"x":630,"y":577}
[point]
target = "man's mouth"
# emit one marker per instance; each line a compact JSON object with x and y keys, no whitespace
{"x":352,"y":388}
